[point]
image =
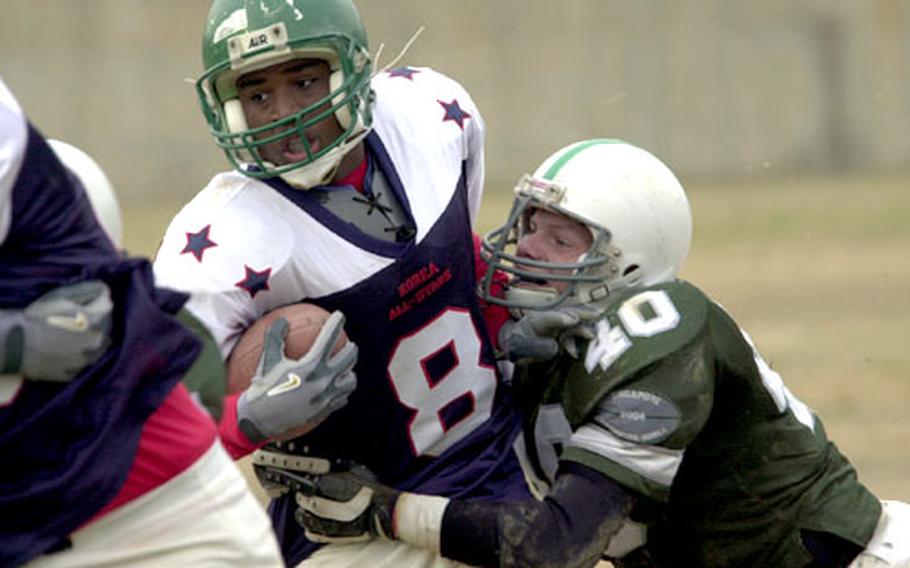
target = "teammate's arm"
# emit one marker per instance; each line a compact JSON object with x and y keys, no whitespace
{"x":572,"y":526}
{"x":206,"y":378}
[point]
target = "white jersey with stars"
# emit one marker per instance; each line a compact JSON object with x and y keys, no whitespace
{"x":430,"y":413}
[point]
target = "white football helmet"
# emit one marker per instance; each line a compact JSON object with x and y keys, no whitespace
{"x":97,"y":186}
{"x":631,"y":202}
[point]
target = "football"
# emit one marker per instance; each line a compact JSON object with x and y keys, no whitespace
{"x":304,"y":323}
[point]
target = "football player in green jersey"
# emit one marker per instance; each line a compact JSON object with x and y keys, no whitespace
{"x":665,"y":440}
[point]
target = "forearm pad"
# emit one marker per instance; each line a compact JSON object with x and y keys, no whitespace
{"x":571,"y":527}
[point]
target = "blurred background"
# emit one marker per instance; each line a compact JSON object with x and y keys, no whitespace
{"x":788,"y":122}
{"x":717,"y":88}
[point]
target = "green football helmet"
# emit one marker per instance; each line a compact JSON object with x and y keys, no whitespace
{"x":630,"y":201}
{"x":242,"y":36}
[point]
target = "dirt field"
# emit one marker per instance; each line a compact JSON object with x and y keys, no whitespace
{"x":818,"y":272}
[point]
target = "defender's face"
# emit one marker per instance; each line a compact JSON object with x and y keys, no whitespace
{"x":551,"y":237}
{"x":282,"y":90}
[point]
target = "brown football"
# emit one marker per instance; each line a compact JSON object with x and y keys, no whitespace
{"x":304,"y":321}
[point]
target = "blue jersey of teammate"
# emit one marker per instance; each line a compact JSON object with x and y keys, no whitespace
{"x":67,"y":447}
{"x":430,"y":413}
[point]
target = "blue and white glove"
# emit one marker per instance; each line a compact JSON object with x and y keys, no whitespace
{"x":289,"y":397}
{"x":59,"y":334}
{"x":539,"y":334}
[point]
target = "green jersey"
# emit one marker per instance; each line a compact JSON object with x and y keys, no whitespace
{"x":671,"y":400}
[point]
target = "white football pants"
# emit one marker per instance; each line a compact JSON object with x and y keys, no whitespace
{"x":204,"y":517}
{"x":376,"y":553}
{"x":890,"y":544}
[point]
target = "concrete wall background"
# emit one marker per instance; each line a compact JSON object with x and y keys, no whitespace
{"x":718,"y":88}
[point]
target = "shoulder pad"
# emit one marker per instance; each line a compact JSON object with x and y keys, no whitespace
{"x":423,"y":78}
{"x":640,"y":328}
{"x":425,"y":98}
{"x":229,"y":225}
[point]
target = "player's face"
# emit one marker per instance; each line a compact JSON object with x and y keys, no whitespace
{"x":551,"y":237}
{"x":281,"y":90}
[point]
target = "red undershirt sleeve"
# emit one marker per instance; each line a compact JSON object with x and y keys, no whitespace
{"x":236,"y":443}
{"x":494,"y":315}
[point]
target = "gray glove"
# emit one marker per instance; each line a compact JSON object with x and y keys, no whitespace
{"x":348,"y":506}
{"x":59,"y":334}
{"x":289,"y":397}
{"x":539,"y":334}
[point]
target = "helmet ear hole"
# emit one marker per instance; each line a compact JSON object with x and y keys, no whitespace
{"x":632,"y":275}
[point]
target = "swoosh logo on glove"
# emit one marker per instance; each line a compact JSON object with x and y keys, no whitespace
{"x":293,"y":381}
{"x":77,"y":323}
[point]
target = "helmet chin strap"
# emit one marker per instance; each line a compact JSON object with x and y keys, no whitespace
{"x":531,"y":298}
{"x":322,"y":170}
{"x":527,"y":298}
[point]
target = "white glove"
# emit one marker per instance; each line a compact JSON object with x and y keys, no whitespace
{"x":59,"y":334}
{"x":538,"y":335}
{"x":289,"y":397}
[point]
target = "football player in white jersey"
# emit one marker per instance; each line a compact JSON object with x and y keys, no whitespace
{"x":354,"y":190}
{"x":667,"y":440}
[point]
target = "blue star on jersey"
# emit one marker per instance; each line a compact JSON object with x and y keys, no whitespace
{"x":197,"y":243}
{"x":404,"y":73}
{"x":428,"y":373}
{"x":454,"y":113}
{"x":255,"y":282}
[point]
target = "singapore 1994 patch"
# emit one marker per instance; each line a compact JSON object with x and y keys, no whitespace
{"x":638,"y":416}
